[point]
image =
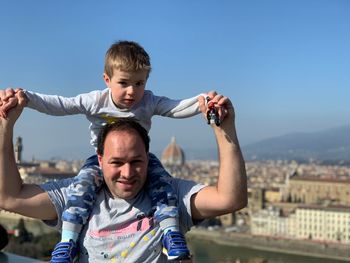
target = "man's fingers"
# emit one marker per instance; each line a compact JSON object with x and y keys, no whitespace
{"x":11,"y":102}
{"x":211,"y":94}
{"x":9,"y":92}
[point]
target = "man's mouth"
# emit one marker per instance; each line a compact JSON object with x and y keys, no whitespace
{"x":126,"y":184}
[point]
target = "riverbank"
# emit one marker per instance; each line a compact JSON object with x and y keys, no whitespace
{"x":287,"y":246}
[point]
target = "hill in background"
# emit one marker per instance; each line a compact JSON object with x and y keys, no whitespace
{"x":329,"y":145}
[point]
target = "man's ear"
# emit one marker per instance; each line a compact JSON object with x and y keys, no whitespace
{"x":99,"y":157}
{"x":106,"y":79}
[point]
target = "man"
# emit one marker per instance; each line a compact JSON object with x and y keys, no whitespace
{"x":121,"y":226}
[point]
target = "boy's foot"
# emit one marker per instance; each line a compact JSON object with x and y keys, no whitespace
{"x":174,"y":246}
{"x":64,"y":252}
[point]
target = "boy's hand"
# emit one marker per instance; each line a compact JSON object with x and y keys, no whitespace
{"x":9,"y":99}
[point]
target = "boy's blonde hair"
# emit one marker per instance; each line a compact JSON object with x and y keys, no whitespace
{"x":126,"y":56}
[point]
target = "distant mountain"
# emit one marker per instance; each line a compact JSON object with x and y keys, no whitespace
{"x":327,"y":145}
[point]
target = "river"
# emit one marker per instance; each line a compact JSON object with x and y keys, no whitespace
{"x":208,"y":252}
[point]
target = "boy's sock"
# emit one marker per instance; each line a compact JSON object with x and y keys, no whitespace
{"x":167,"y":218}
{"x":70,"y":232}
{"x":174,"y":242}
{"x":169,"y":224}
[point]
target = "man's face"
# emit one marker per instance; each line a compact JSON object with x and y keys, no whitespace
{"x":124,"y":163}
{"x":127,"y":87}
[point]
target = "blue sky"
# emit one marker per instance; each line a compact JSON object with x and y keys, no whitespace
{"x":284,"y":64}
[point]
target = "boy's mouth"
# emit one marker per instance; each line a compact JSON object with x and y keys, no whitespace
{"x":128,"y":102}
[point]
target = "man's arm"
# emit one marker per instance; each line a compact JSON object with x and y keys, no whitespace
{"x":230,"y":192}
{"x":15,"y":196}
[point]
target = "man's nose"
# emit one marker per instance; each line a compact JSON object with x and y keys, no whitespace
{"x":127,"y":170}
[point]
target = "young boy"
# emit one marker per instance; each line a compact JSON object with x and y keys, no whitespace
{"x":127,"y":67}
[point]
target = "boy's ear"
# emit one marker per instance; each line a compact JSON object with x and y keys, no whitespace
{"x":106,"y":79}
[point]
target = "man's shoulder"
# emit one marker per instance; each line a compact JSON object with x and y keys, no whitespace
{"x":184,"y":186}
{"x":59,"y":185}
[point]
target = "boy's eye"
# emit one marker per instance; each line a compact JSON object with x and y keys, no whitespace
{"x":138,"y":84}
{"x":123,"y":83}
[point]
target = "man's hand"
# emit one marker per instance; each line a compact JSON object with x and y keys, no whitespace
{"x":8,"y":100}
{"x":222,"y":104}
{"x":14,"y":107}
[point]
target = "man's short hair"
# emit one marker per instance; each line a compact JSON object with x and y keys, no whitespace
{"x":123,"y":124}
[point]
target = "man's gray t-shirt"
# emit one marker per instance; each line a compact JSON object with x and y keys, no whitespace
{"x":123,"y":230}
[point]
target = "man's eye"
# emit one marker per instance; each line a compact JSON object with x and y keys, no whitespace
{"x":138,"y":84}
{"x":115,"y":163}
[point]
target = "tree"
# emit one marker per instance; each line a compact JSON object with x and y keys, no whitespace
{"x":23,"y":234}
{"x":4,"y":239}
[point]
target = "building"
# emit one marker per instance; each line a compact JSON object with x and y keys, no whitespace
{"x":314,"y":190}
{"x":173,"y":155}
{"x":270,"y":222}
{"x":313,"y":222}
{"x":18,"y":149}
{"x":42,"y":171}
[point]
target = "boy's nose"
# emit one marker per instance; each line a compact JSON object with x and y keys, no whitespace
{"x":131,"y":90}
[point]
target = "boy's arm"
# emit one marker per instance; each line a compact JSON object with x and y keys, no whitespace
{"x":230,"y":192}
{"x":59,"y":105}
{"x":185,"y":108}
{"x":49,"y":104}
{"x":15,"y":196}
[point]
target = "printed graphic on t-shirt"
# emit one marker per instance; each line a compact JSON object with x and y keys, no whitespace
{"x":122,"y":242}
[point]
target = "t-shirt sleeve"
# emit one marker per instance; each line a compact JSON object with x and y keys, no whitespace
{"x":57,"y":191}
{"x":185,"y":189}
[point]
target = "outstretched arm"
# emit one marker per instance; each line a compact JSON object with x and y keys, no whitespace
{"x":230,"y":192}
{"x":15,"y":196}
{"x":50,"y":104}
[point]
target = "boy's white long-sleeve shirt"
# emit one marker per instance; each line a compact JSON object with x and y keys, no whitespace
{"x":99,"y":109}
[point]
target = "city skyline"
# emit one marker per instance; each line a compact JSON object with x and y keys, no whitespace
{"x":283,"y":64}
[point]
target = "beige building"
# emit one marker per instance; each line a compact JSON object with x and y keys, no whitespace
{"x":320,"y":223}
{"x":269,"y":222}
{"x":173,"y":155}
{"x":314,"y":190}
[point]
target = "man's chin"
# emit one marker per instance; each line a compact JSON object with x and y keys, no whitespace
{"x":126,"y":194}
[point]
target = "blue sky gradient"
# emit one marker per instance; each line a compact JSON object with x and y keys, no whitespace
{"x":284,"y":64}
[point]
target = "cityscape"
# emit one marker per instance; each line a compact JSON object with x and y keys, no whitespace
{"x":284,"y":66}
{"x":299,"y":208}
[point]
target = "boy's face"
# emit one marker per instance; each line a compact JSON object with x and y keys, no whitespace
{"x":127,"y":87}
